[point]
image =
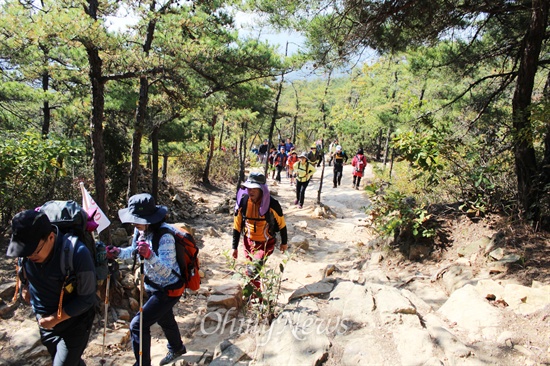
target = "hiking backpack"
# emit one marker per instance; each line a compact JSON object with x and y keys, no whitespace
{"x":71,"y":220}
{"x":359,"y":165}
{"x":269,"y":218}
{"x":187,"y":254}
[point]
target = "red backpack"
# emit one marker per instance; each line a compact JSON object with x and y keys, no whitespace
{"x":187,"y":254}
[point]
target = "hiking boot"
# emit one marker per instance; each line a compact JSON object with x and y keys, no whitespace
{"x":334,"y":186}
{"x":172,"y":356}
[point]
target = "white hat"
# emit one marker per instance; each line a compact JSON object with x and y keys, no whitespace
{"x":338,"y":148}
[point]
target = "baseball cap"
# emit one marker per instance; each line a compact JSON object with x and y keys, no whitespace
{"x":28,"y":227}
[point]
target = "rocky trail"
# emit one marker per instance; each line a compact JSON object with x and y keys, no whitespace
{"x":345,"y":298}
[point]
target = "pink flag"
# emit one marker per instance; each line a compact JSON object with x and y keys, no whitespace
{"x":90,"y":206}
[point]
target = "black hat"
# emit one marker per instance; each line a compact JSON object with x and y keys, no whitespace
{"x":142,"y":209}
{"x":28,"y":227}
{"x":255,"y":180}
{"x":360,"y":151}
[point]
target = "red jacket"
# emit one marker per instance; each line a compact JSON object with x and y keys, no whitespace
{"x":359,"y":162}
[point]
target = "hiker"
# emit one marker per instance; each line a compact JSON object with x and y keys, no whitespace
{"x":271,"y":159}
{"x":280,"y":163}
{"x":340,"y":158}
{"x":262,"y":152}
{"x":289,"y":146}
{"x":359,"y":163}
{"x":64,"y":309}
{"x":312,"y":154}
{"x":332,"y":150}
{"x":319,"y":147}
{"x":304,"y":171}
{"x":259,"y":216}
{"x":164,"y":288}
{"x":292,"y":159}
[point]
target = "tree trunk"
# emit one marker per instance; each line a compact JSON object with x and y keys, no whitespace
{"x":138,"y":134}
{"x":379,"y":145}
{"x":387,"y":146}
{"x":141,"y":109}
{"x":211,"y":137}
{"x":164,"y":166}
{"x":96,"y":124}
{"x":155,"y":162}
{"x":524,"y":152}
{"x":46,"y":110}
{"x":221,"y":135}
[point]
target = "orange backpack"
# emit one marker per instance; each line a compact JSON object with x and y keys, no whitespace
{"x":187,"y":254}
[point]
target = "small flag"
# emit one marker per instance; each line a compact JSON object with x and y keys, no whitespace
{"x":90,"y":206}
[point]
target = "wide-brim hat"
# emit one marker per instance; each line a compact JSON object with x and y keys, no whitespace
{"x":255,"y":180}
{"x":303,"y":155}
{"x":28,"y":227}
{"x":143,"y":210}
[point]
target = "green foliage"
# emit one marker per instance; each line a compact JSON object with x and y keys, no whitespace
{"x":422,"y":152}
{"x":262,"y":303}
{"x":394,"y":213}
{"x":29,"y":167}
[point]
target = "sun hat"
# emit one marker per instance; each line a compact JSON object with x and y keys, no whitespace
{"x":313,"y":146}
{"x":28,"y":227}
{"x":143,"y":210}
{"x":303,"y":155}
{"x":255,"y":180}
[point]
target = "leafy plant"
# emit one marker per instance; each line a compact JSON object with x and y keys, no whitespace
{"x":393,"y":213}
{"x":29,"y":167}
{"x":262,"y":302}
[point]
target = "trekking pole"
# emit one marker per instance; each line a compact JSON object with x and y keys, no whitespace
{"x":141,"y":289}
{"x":102,"y":361}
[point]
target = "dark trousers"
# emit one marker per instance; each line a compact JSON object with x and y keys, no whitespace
{"x":157,"y":309}
{"x":67,"y":340}
{"x":338,"y":169}
{"x":357,"y":179}
{"x":279,"y":169}
{"x":301,"y":191}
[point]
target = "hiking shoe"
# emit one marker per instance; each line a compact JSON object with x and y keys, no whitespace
{"x":172,"y":356}
{"x":300,"y":206}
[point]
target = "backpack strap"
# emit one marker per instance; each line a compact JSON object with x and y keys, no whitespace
{"x":268,"y":217}
{"x":164,"y":229}
{"x":67,"y":254}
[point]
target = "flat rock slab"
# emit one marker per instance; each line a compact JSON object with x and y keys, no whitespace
{"x":317,"y":289}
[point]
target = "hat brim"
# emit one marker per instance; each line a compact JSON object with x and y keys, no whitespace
{"x":126,"y":217}
{"x":252,"y":185}
{"x":19,"y":249}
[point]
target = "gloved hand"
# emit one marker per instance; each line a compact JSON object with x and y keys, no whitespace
{"x":112,"y":252}
{"x":144,"y":249}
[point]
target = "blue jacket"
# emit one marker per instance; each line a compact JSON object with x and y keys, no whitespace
{"x":46,"y":279}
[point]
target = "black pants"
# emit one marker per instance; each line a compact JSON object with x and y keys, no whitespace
{"x":67,"y":340}
{"x":358,"y":179}
{"x":157,"y":309}
{"x":279,"y":169}
{"x":338,"y":169}
{"x":301,"y":191}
